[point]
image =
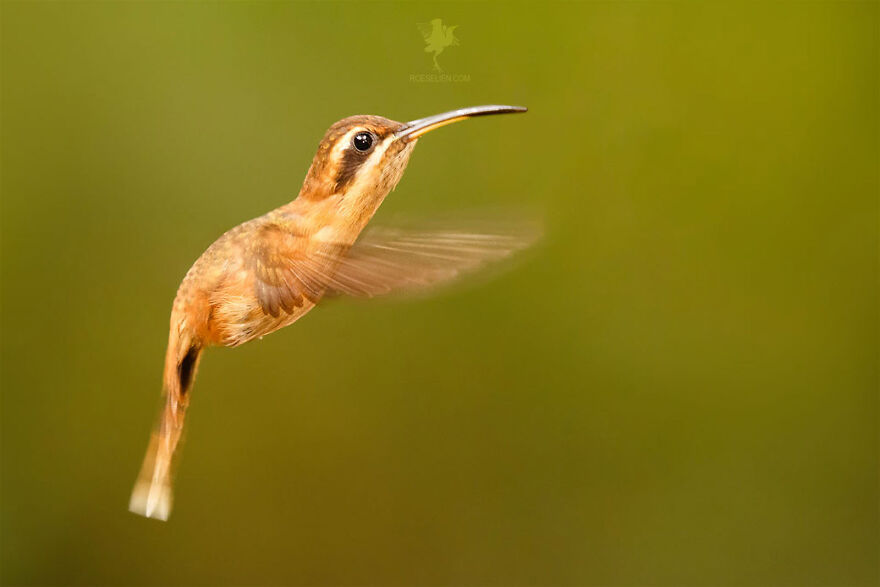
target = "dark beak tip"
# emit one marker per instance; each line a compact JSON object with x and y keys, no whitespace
{"x":416,"y":128}
{"x":499,"y":109}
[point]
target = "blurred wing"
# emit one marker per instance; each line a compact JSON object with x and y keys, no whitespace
{"x":288,"y":270}
{"x":386,"y":260}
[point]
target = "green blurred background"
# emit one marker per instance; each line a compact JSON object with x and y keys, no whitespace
{"x":678,"y":387}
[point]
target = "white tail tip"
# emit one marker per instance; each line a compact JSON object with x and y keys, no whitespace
{"x":151,"y":500}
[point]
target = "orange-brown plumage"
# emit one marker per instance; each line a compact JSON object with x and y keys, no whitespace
{"x":270,"y":271}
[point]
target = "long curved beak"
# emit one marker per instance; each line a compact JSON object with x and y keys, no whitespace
{"x":416,"y":128}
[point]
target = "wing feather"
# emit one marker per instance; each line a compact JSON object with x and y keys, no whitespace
{"x":391,"y":259}
{"x":290,"y":269}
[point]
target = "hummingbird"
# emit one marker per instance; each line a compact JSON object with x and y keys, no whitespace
{"x":269,"y":272}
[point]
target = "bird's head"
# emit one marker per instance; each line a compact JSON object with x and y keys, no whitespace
{"x":361,"y":158}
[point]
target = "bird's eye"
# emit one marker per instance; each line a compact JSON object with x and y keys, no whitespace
{"x":362,"y":141}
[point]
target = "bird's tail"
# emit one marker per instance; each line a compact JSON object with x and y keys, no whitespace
{"x":152,"y":494}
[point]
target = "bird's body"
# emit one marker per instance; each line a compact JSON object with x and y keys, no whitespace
{"x":216,"y":303}
{"x":268,"y":272}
